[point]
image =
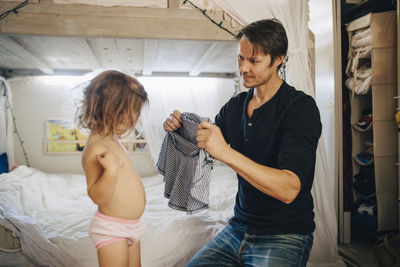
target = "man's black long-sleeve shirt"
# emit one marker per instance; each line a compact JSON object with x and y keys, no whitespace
{"x":283,"y":133}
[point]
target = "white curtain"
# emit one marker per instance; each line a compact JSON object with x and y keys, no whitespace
{"x":294,"y":16}
{"x":204,"y":96}
{"x":6,"y":122}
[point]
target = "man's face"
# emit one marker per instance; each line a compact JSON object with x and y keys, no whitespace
{"x":254,"y":65}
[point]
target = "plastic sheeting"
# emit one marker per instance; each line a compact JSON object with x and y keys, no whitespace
{"x":6,"y":122}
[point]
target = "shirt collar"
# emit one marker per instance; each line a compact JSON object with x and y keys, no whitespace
{"x":249,"y":95}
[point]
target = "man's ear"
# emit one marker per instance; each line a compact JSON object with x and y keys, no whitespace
{"x":279,"y":60}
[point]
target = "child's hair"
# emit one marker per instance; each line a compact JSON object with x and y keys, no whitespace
{"x":111,"y":99}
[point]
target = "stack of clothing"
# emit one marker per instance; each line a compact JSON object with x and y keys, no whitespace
{"x":358,"y":69}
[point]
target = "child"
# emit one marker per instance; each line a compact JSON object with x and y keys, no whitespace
{"x":111,"y":107}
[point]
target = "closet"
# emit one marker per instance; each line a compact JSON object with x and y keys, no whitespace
{"x":370,"y":131}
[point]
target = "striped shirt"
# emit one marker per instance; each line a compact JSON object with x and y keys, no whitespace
{"x":186,"y":168}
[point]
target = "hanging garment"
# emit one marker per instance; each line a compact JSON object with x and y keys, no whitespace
{"x":186,"y":168}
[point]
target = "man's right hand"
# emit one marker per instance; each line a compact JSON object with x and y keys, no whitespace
{"x":173,"y":122}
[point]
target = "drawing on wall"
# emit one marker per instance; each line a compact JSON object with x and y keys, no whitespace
{"x":63,"y":136}
{"x":66,"y":133}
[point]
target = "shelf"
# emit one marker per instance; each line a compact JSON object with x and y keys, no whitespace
{"x":359,"y":162}
{"x":382,"y":131}
{"x":129,"y":144}
{"x":362,"y":130}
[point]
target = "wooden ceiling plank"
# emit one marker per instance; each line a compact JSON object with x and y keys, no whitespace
{"x":150,"y":49}
{"x":95,"y":61}
{"x":24,"y":55}
{"x":208,"y":56}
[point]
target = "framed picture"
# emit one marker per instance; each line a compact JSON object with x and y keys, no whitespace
{"x":63,"y":136}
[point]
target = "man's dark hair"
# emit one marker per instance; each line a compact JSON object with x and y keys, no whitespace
{"x":269,"y":35}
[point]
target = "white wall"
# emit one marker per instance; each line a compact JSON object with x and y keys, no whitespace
{"x":321,"y":24}
{"x":35,"y":101}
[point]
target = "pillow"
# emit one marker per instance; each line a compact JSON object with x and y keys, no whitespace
{"x":3,"y":163}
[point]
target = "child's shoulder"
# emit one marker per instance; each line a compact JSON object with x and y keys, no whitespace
{"x":92,"y":149}
{"x":95,"y":148}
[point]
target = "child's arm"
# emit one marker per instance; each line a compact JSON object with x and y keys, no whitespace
{"x":101,"y":171}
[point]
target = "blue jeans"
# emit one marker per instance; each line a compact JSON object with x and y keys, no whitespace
{"x":234,"y":248}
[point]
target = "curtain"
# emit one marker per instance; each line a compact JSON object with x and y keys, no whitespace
{"x":6,"y":122}
{"x":294,"y":16}
{"x":204,"y":96}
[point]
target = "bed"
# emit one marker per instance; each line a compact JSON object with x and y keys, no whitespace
{"x":51,"y":214}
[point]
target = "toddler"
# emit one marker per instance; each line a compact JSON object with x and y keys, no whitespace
{"x":111,"y":107}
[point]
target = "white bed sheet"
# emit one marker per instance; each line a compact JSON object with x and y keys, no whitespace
{"x":52,"y":213}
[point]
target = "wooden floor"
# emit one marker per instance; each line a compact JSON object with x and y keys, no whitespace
{"x":360,"y":253}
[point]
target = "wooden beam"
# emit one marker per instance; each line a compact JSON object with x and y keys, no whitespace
{"x":210,"y":54}
{"x":46,"y":18}
{"x":20,"y":1}
{"x":174,"y":4}
{"x":23,"y":55}
{"x":219,"y":16}
{"x":149,"y":56}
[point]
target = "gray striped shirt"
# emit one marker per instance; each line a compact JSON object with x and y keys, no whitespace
{"x":186,"y":167}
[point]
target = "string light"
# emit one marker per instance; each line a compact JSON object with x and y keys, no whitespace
{"x":204,"y":11}
{"x":15,"y":9}
{"x":8,"y":106}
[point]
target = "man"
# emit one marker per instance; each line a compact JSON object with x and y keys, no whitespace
{"x":269,"y":136}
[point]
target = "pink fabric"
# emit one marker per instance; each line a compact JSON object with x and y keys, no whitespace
{"x":105,"y":230}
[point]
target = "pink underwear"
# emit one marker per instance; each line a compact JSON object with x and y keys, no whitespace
{"x":105,"y":230}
